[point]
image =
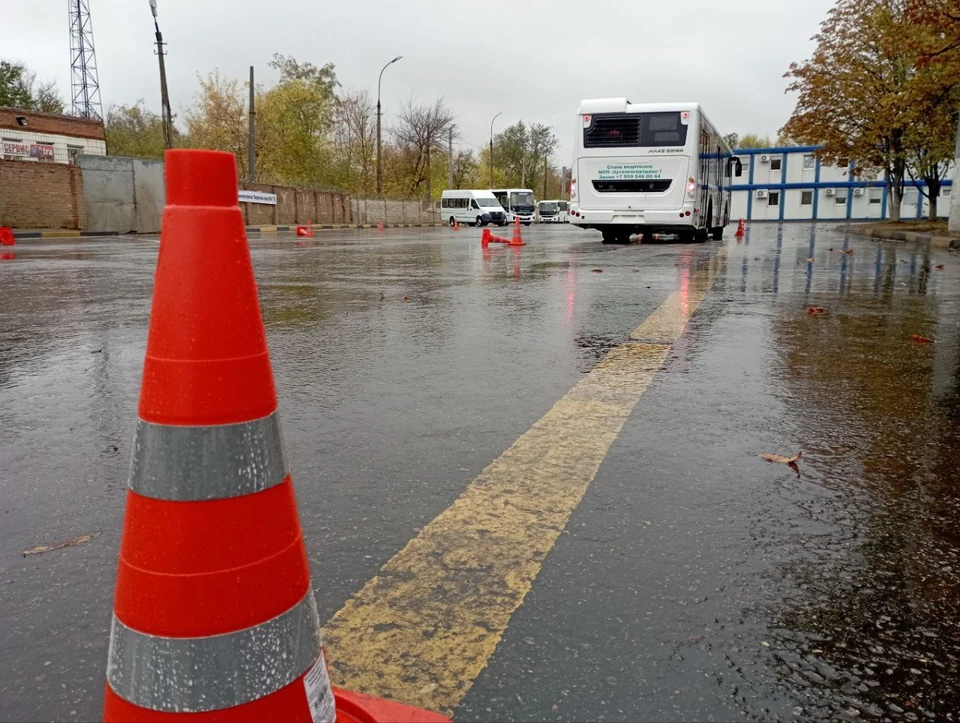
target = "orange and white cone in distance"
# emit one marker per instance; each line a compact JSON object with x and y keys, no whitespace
{"x":517,"y":239}
{"x":380,"y":227}
{"x":214,"y":614}
{"x":741,"y":228}
{"x":456,"y":225}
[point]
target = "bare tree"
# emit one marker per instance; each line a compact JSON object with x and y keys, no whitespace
{"x":356,"y":134}
{"x":420,"y":130}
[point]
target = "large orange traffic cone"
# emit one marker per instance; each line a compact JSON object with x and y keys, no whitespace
{"x":214,"y":614}
{"x":6,"y":236}
{"x":741,"y":228}
{"x":485,"y":238}
{"x":517,"y":239}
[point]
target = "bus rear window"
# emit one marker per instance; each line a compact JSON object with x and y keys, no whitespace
{"x":629,"y":130}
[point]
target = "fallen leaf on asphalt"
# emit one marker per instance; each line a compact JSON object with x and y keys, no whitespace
{"x":848,"y":251}
{"x":810,"y":260}
{"x":779,"y":458}
{"x":816,"y":310}
{"x":939,"y":267}
{"x":597,"y":271}
{"x":921,"y":339}
{"x":59,"y":545}
{"x":406,"y":298}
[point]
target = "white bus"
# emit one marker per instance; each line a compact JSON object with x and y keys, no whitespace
{"x":563,"y":211}
{"x":518,"y":203}
{"x":650,"y":168}
{"x":474,"y":207}
{"x":548,"y":211}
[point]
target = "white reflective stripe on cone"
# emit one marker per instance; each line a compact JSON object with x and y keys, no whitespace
{"x":207,"y":462}
{"x":187,"y":675}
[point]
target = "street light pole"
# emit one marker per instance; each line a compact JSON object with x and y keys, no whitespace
{"x":379,"y":161}
{"x":166,"y":115}
{"x":491,"y":147}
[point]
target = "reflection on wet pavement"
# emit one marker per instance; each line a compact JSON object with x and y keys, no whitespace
{"x":694,"y":581}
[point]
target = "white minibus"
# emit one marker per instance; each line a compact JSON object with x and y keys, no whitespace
{"x":473,"y":207}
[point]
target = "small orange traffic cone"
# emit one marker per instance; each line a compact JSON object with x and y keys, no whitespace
{"x":380,"y":227}
{"x":741,"y":228}
{"x":306,"y":230}
{"x":6,"y":236}
{"x":214,"y":614}
{"x":517,"y":239}
{"x":456,"y":225}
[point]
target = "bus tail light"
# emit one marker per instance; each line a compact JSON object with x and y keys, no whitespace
{"x":573,"y":188}
{"x":691,"y":187}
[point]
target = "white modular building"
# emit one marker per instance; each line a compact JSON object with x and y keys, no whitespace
{"x":791,"y":184}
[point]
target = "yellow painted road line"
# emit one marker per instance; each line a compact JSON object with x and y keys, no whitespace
{"x":668,"y":322}
{"x":422,"y":630}
{"x":60,"y":234}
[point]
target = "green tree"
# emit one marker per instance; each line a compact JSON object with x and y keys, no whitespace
{"x":752,"y":140}
{"x":522,"y":153}
{"x":732,"y":140}
{"x":134,"y":130}
{"x":19,"y":88}
{"x":218,"y":118}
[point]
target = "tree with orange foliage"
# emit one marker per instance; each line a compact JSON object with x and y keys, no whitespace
{"x":866,"y":95}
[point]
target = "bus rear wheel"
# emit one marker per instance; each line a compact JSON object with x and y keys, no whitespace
{"x":453,"y":222}
{"x":615,"y":236}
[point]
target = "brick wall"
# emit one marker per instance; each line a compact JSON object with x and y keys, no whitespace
{"x":50,"y":123}
{"x":41,"y":195}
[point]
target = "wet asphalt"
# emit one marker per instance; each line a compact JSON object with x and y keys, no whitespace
{"x":693,"y":582}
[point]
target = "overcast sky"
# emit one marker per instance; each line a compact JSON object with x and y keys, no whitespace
{"x":531,"y":60}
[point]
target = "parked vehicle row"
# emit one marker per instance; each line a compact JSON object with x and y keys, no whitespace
{"x":478,"y":207}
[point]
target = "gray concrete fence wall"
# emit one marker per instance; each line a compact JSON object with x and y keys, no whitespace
{"x":375,"y":210}
{"x":122,"y":195}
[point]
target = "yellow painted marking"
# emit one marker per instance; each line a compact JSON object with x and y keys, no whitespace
{"x":669,"y":320}
{"x":422,"y":630}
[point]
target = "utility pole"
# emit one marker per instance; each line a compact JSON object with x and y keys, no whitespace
{"x":491,"y":147}
{"x":954,"y":223}
{"x":165,"y":114}
{"x":545,"y":169}
{"x":450,"y":156}
{"x":379,"y":114}
{"x":252,"y":136}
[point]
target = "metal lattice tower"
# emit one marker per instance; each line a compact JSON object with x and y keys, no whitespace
{"x":84,"y":84}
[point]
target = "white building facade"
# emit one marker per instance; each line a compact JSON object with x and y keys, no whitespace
{"x":791,"y":184}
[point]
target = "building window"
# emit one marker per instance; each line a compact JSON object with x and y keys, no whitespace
{"x":809,"y":162}
{"x":806,"y":198}
{"x":841,"y":198}
{"x":876,"y":196}
{"x":775,"y":164}
{"x":773,"y":198}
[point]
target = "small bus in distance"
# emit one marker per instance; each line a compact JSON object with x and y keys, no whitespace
{"x":472,"y":207}
{"x":650,"y":168}
{"x":548,"y":212}
{"x":518,"y":203}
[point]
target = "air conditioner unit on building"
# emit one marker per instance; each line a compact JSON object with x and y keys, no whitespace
{"x":858,"y":192}
{"x":830,"y":191}
{"x":761,"y":194}
{"x":764,"y":159}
